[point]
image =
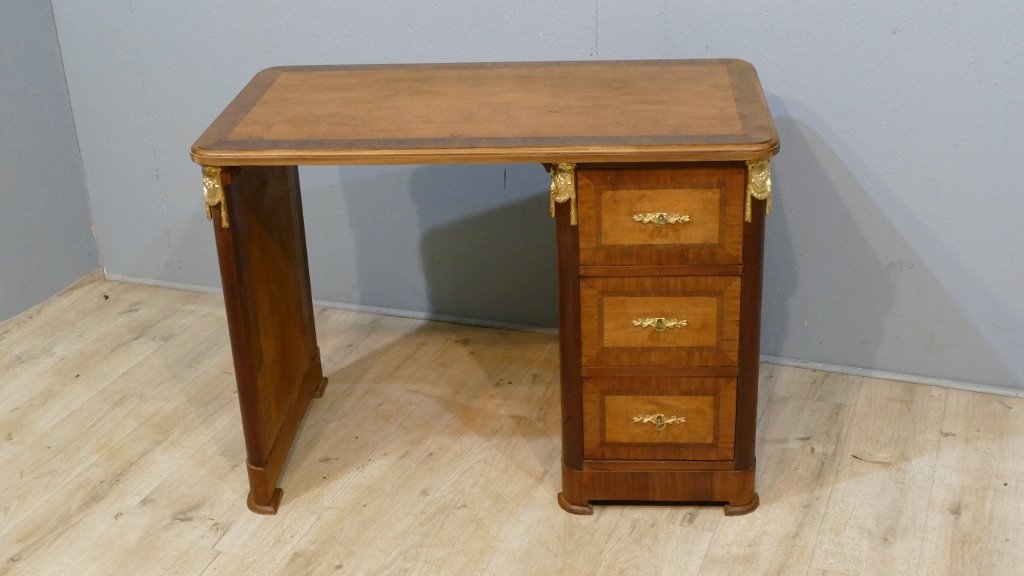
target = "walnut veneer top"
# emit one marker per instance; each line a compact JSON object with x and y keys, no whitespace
{"x":631,"y":111}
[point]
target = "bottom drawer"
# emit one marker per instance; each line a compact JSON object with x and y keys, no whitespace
{"x":659,"y":418}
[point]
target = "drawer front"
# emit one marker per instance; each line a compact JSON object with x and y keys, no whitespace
{"x":659,"y":418}
{"x":660,"y":321}
{"x":667,"y":216}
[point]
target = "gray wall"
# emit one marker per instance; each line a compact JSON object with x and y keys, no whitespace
{"x":895,"y":243}
{"x":45,"y":238}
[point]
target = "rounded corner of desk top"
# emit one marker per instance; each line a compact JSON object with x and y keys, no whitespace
{"x":196,"y":154}
{"x":204,"y":157}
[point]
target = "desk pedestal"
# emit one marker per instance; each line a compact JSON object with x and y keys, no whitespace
{"x":660,"y":305}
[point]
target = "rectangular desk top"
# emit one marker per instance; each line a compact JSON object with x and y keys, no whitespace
{"x":588,"y":111}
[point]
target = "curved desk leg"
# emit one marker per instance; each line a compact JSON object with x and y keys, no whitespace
{"x":261,"y":247}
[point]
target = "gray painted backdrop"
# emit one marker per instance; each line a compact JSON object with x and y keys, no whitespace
{"x":45,"y":238}
{"x":895,"y":244}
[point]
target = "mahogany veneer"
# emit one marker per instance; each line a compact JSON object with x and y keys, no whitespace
{"x":659,"y":199}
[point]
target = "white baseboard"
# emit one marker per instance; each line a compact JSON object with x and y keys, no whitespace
{"x":413,"y":314}
{"x":162,"y":283}
{"x":883,"y":375}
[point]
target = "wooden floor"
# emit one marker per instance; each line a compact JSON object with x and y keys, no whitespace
{"x":435,"y":451}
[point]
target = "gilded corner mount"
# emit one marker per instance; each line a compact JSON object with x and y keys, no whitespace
{"x":563,"y":188}
{"x":759,"y":186}
{"x":213,"y":192}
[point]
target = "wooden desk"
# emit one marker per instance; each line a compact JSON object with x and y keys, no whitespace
{"x":660,"y":182}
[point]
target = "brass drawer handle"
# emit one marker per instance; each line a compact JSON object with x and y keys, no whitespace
{"x":660,"y":219}
{"x":659,"y":420}
{"x":660,"y":324}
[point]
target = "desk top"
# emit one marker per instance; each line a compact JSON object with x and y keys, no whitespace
{"x":589,"y":111}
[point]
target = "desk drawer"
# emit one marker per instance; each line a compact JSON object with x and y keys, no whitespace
{"x":660,"y":321}
{"x":665,"y":216}
{"x":659,"y":418}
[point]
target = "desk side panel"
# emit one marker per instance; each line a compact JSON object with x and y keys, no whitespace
{"x":270,"y":318}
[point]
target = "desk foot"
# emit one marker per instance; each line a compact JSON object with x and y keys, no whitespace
{"x":319,"y":391}
{"x":579,"y":510}
{"x":607,"y":484}
{"x":268,"y":509}
{"x":747,"y":508}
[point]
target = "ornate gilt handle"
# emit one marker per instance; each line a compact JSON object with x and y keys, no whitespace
{"x":659,"y":420}
{"x":660,"y":324}
{"x":660,"y":219}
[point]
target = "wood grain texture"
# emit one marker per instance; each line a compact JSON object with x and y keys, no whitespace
{"x":696,"y":321}
{"x":265,"y":276}
{"x":621,"y":412}
{"x":714,"y":315}
{"x":712,"y":194}
{"x":698,"y":211}
{"x":629,"y":115}
{"x":667,"y":110}
{"x":710,"y":304}
{"x":684,"y":270}
{"x":732,"y":487}
{"x":888,"y":463}
{"x":708,"y":404}
{"x":439,"y":454}
{"x":801,"y":438}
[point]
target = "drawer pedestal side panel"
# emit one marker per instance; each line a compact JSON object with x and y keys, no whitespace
{"x":569,"y":338}
{"x":669,"y":337}
{"x":750,"y":338}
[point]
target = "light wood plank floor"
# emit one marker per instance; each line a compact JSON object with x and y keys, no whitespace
{"x":435,"y":451}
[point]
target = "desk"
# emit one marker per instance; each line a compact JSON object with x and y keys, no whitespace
{"x":660,"y":182}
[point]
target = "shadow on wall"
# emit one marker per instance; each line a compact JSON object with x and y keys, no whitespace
{"x":498,"y":264}
{"x":843,"y":285}
{"x":472,"y":241}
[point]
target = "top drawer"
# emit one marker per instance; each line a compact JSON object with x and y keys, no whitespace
{"x":682,"y":214}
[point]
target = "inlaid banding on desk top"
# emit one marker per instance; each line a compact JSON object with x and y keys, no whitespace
{"x":519,"y":108}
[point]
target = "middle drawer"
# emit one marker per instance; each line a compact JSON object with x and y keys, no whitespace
{"x":660,"y":321}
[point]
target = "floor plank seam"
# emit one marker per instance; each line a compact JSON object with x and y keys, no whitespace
{"x":931,"y":489}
